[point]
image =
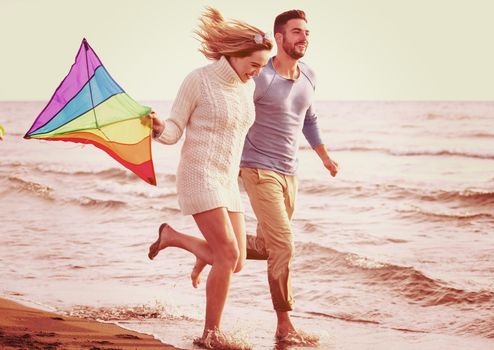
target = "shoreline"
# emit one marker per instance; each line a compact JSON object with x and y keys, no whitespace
{"x":27,"y":327}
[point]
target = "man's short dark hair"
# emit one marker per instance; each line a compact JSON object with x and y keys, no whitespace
{"x":282,"y":18}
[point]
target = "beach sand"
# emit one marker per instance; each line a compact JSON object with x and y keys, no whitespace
{"x":23,"y":327}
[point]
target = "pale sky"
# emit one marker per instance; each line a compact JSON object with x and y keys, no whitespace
{"x":360,"y":49}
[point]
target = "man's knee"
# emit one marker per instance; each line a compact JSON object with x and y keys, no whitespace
{"x":286,"y":251}
{"x":281,"y":255}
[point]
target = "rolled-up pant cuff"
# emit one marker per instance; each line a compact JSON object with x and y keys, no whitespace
{"x":283,"y":308}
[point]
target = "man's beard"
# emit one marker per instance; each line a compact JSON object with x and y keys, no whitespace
{"x":290,"y":50}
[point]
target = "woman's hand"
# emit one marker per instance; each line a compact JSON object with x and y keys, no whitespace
{"x":157,"y":124}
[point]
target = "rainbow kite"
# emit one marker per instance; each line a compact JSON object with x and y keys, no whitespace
{"x":90,"y":107}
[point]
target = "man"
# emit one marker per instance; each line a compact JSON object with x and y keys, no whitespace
{"x":283,"y":99}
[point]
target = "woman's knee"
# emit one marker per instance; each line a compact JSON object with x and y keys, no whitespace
{"x":240,"y":264}
{"x":228,"y":255}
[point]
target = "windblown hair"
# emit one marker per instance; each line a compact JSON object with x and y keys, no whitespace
{"x":282,"y":18}
{"x":230,"y":38}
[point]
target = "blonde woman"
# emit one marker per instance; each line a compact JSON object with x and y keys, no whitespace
{"x":215,"y":108}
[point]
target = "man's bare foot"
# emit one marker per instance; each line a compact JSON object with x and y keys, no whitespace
{"x":287,"y":334}
{"x":297,"y":338}
{"x":195,"y":275}
{"x":285,"y":326}
{"x":162,"y":242}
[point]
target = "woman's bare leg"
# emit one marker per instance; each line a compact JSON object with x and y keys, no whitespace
{"x":238,"y":223}
{"x":218,"y":231}
{"x":195,"y":275}
{"x":168,"y":237}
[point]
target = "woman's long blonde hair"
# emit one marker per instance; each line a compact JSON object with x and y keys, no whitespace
{"x":230,"y":38}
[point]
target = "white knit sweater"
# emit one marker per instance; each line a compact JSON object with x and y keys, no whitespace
{"x":216,"y":109}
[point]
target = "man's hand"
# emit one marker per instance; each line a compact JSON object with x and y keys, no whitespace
{"x":331,"y":165}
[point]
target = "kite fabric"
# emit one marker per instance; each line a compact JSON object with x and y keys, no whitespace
{"x":90,"y":107}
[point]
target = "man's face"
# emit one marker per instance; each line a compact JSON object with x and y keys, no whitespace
{"x":295,"y":38}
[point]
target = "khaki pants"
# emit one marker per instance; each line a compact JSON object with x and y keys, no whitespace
{"x":272,"y":196}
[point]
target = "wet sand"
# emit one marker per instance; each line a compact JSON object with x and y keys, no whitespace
{"x":23,"y":327}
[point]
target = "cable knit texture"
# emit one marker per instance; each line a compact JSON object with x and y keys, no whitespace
{"x":215,"y":109}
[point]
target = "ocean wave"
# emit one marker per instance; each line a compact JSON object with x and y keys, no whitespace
{"x":414,"y":153}
{"x":487,"y":135}
{"x":311,"y":227}
{"x":427,"y":291}
{"x":465,"y":154}
{"x":445,"y":215}
{"x":342,"y":317}
{"x":120,"y":174}
{"x":126,"y":313}
{"x":137,"y":190}
{"x":467,"y":196}
{"x":106,"y":174}
{"x":470,"y":196}
{"x":167,"y":209}
{"x":316,"y":188}
{"x":479,"y":326}
{"x":406,"y":281}
{"x":89,"y":202}
{"x":449,"y":116}
{"x":61,"y":170}
{"x":16,"y":184}
{"x":111,"y":173}
{"x":48,"y":193}
{"x":31,"y":187}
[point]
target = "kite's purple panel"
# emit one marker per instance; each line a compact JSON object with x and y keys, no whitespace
{"x":79,"y":74}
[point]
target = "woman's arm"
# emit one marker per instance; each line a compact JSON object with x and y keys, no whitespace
{"x":170,"y":130}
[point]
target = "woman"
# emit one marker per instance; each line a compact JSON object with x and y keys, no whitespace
{"x":215,"y":106}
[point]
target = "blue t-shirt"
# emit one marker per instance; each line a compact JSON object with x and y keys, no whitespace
{"x":283,"y":109}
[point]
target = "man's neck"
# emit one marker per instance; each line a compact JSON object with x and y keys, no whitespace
{"x":286,"y":66}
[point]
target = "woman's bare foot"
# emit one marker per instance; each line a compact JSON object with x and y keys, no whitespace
{"x":195,"y":275}
{"x":163,"y":241}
